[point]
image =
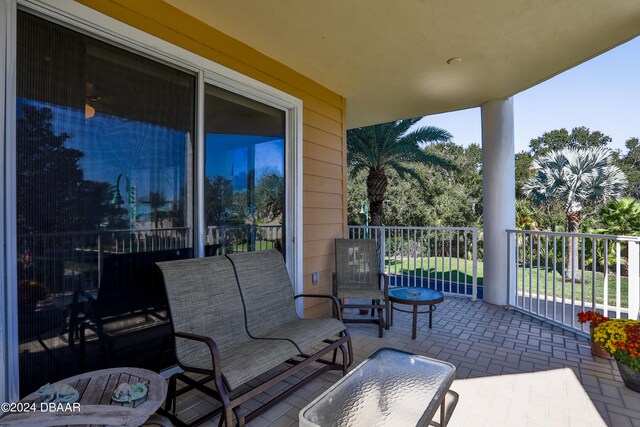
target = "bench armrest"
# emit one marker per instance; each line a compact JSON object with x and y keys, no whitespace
{"x":213,"y":349}
{"x":336,"y":303}
{"x":385,"y":280}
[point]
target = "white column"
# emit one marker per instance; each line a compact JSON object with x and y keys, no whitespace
{"x":499,"y":194}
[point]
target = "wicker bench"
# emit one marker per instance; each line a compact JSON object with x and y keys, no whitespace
{"x":234,"y":319}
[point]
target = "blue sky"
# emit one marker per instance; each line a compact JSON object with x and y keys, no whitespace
{"x":226,"y":155}
{"x":602,"y":94}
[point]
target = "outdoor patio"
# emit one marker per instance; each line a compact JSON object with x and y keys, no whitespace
{"x":512,"y":370}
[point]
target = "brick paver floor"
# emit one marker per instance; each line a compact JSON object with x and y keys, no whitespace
{"x":512,"y":370}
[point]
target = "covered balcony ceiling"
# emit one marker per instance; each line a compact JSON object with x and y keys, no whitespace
{"x":389,"y":58}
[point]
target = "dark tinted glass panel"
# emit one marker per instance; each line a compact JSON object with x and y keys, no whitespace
{"x":104,"y":184}
{"x":244,"y":174}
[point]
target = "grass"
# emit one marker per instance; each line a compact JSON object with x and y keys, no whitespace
{"x":261,"y":245}
{"x":437,"y":268}
{"x":573,"y":290}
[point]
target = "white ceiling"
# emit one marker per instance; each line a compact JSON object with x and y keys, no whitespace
{"x":388,"y":58}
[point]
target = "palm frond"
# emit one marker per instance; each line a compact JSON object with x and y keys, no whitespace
{"x":576,"y":177}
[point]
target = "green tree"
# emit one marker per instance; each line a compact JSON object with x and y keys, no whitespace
{"x":525,"y":215}
{"x":620,"y":217}
{"x":269,"y":197}
{"x":559,"y":139}
{"x":454,"y":195}
{"x":577,"y":178}
{"x":630,"y":165}
{"x":390,"y":146}
{"x":523,"y":171}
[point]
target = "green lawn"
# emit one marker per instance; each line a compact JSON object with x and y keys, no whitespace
{"x":436,"y":268}
{"x":261,"y":245}
{"x":577,"y":287}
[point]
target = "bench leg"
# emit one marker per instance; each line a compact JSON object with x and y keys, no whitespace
{"x":345,"y":361}
{"x":226,"y":418}
{"x":387,"y":314}
{"x":171,"y":395}
{"x":239,"y":416}
{"x":350,"y":348}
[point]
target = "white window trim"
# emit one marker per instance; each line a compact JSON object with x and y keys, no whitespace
{"x":96,"y":24}
{"x":8,"y":247}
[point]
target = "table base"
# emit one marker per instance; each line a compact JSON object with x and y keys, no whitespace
{"x":415,"y":312}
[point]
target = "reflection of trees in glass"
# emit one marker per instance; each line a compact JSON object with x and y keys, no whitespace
{"x":225,"y":206}
{"x":219,"y":198}
{"x":269,"y":196}
{"x":49,"y":178}
{"x":99,"y":212}
{"x":52,"y":194}
{"x":156,"y":201}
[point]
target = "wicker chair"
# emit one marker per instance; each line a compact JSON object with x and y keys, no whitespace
{"x":234,"y":319}
{"x":357,"y":277}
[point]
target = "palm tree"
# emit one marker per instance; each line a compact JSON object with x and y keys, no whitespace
{"x":577,"y":178}
{"x":156,"y":201}
{"x":379,"y":148}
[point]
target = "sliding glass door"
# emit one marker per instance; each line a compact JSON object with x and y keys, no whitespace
{"x":106,"y":153}
{"x":244,"y":174}
{"x":104,"y":189}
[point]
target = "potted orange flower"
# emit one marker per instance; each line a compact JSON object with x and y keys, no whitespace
{"x":595,"y":318}
{"x":621,"y":339}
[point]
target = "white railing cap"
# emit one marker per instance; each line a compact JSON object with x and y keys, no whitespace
{"x":585,"y":235}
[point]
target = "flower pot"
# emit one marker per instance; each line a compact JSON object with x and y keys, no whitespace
{"x":596,"y":348}
{"x":630,"y":377}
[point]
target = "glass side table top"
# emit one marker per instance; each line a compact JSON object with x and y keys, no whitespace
{"x":391,"y":388}
{"x":416,"y":294}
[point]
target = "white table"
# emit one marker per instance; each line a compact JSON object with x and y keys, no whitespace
{"x":391,"y":388}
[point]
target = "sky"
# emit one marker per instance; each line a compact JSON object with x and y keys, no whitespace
{"x":602,"y":94}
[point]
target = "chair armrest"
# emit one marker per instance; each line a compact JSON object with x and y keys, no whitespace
{"x":385,"y":280}
{"x":213,"y":349}
{"x":336,"y":303}
{"x":334,"y":284}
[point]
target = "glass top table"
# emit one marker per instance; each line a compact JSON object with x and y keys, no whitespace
{"x":414,"y":297}
{"x":391,"y":388}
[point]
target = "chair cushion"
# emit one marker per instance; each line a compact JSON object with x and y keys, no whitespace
{"x":244,"y":361}
{"x":367,"y":294}
{"x":204,"y":300}
{"x":306,"y":333}
{"x":266,"y":290}
{"x":356,"y":268}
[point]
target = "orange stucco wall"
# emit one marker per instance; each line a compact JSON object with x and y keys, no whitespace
{"x":324,"y":150}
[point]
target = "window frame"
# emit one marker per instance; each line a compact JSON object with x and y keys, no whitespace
{"x":102,"y":27}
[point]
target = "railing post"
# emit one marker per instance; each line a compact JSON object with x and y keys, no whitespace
{"x":509,"y":266}
{"x":383,"y":247}
{"x":512,"y":239}
{"x":633,"y":263}
{"x":474,"y":280}
{"x":99,"y":258}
